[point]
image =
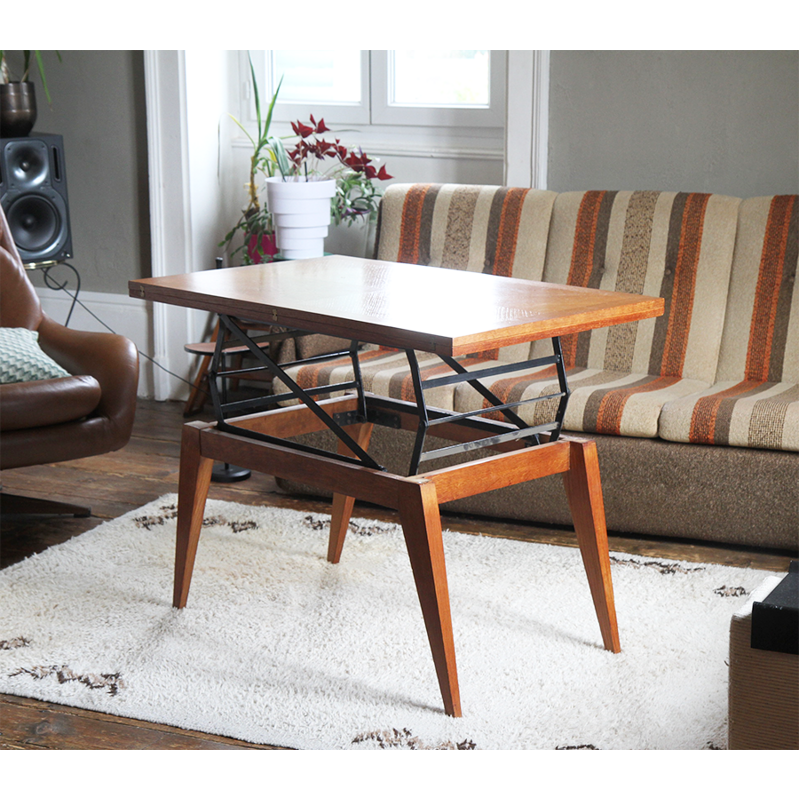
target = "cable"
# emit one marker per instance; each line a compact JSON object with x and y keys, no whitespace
{"x":51,"y":283}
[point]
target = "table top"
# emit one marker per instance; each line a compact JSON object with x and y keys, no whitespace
{"x":437,"y":310}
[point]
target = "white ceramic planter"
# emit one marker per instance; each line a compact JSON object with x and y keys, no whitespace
{"x":301,"y":211}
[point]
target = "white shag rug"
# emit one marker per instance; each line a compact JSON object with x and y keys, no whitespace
{"x":277,"y":646}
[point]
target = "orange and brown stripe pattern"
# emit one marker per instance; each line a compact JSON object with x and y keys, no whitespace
{"x":415,"y":224}
{"x":588,"y":257}
{"x":678,"y":287}
{"x":463,"y":226}
{"x":603,"y":410}
{"x":769,"y":325}
{"x":320,"y":373}
{"x":711,"y":416}
{"x":649,"y":242}
{"x":754,"y":402}
{"x":771,"y":310}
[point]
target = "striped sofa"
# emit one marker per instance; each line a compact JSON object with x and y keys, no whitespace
{"x":695,"y":413}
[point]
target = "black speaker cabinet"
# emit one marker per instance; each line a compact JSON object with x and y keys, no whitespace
{"x":33,"y":193}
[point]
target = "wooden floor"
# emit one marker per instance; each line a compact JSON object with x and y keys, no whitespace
{"x":148,"y":468}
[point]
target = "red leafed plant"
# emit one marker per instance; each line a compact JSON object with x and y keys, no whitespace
{"x":354,"y":172}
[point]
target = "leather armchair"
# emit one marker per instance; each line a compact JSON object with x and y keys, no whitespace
{"x":60,"y":419}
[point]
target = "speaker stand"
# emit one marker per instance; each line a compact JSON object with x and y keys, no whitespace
{"x":227,"y":473}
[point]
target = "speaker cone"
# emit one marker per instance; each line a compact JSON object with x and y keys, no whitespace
{"x":34,"y":222}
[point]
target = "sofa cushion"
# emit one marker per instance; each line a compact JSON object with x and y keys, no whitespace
{"x":383,"y":372}
{"x":754,"y":402}
{"x":674,"y":245}
{"x":601,"y":401}
{"x":493,"y":229}
{"x":738,"y":413}
{"x":760,"y":337}
{"x":21,"y":358}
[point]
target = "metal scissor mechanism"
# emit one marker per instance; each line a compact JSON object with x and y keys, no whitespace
{"x":382,"y":410}
{"x":499,"y":432}
{"x":224,"y":410}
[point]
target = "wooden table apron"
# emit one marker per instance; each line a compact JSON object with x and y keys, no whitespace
{"x":447,"y":312}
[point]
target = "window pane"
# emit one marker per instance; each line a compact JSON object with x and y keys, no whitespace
{"x":318,"y":76}
{"x":440,"y":77}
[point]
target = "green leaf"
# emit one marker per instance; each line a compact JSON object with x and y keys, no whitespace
{"x":281,"y":157}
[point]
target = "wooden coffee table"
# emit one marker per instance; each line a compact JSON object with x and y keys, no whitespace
{"x":450,"y":313}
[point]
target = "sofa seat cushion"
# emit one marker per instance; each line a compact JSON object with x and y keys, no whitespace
{"x":756,"y":414}
{"x":383,"y":372}
{"x":601,"y":401}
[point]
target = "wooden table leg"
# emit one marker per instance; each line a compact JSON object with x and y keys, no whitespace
{"x":342,"y":504}
{"x":585,"y":497}
{"x":194,"y":480}
{"x":422,"y":529}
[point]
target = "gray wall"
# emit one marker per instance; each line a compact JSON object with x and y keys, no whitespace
{"x":707,"y":121}
{"x":713,"y":121}
{"x":99,"y":109}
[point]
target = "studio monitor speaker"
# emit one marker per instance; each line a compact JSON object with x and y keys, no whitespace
{"x":33,"y":193}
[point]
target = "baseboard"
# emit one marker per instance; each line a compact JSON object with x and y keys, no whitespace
{"x":122,"y":314}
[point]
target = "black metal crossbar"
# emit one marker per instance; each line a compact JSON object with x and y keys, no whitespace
{"x":223,"y":409}
{"x":461,"y":374}
{"x":385,"y":411}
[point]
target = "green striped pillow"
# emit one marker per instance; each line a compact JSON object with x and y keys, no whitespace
{"x":21,"y":358}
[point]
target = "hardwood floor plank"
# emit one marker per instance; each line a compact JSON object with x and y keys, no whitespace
{"x":32,"y":724}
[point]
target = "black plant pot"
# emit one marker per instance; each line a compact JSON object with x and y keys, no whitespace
{"x":17,"y":109}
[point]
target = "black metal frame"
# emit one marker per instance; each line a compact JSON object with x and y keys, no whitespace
{"x":382,"y":410}
{"x":528,"y":433}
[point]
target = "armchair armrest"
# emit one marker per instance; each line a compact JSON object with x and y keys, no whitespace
{"x":108,"y":357}
{"x":33,"y":404}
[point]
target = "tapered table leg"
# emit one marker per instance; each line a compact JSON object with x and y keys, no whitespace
{"x":194,"y":480}
{"x":422,"y":529}
{"x":342,"y":504}
{"x":585,"y":497}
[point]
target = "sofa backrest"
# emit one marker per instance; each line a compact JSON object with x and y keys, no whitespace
{"x":493,"y":229}
{"x":677,"y":246}
{"x":760,"y":337}
{"x":725,"y":267}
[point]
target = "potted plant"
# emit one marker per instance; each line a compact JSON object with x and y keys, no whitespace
{"x":255,"y":223}
{"x":18,"y":98}
{"x":318,"y":180}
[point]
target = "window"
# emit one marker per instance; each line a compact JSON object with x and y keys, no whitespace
{"x":312,"y":76}
{"x":385,"y":87}
{"x":457,"y":78}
